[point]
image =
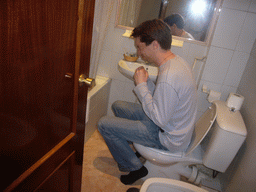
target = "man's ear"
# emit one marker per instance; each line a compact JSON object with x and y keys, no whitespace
{"x":155,"y":45}
{"x":174,"y":26}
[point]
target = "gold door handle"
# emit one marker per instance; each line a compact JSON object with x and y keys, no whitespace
{"x":90,"y":82}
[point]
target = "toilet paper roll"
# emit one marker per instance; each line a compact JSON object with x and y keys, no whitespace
{"x":213,"y":96}
{"x":235,"y":101}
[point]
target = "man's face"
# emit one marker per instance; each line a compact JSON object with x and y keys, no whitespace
{"x":143,"y":50}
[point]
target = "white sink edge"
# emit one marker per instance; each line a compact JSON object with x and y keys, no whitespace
{"x":128,"y":72}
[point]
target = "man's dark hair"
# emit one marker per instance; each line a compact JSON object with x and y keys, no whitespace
{"x":151,"y":30}
{"x":175,"y":19}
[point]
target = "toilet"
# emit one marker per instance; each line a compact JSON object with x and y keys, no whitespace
{"x":217,"y":137}
{"x":168,"y":185}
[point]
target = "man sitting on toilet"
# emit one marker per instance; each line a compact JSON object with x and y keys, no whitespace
{"x":166,"y":116}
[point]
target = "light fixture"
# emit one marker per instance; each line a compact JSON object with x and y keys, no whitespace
{"x":198,"y":7}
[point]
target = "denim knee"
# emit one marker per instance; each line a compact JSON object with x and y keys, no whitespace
{"x":117,"y":105}
{"x":101,"y":123}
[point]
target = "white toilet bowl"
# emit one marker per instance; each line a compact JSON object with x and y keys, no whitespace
{"x":168,"y":185}
{"x":165,"y":164}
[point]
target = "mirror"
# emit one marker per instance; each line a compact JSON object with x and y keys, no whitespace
{"x":200,"y":16}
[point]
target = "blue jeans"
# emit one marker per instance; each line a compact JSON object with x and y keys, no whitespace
{"x":130,"y":125}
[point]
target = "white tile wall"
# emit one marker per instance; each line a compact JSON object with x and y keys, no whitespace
{"x":226,"y":90}
{"x":115,"y":42}
{"x":229,"y":51}
{"x":226,"y":59}
{"x":237,"y":4}
{"x":228,"y":28}
{"x":252,"y":7}
{"x":182,"y":51}
{"x":217,"y":64}
{"x":121,"y":90}
{"x":195,"y":51}
{"x":236,"y":68}
{"x":248,"y":34}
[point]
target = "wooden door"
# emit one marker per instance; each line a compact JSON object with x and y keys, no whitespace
{"x":44,"y":47}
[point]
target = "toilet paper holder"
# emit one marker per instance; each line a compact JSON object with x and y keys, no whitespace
{"x":212,"y":95}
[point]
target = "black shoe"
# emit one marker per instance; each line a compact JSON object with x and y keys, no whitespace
{"x":138,"y":154}
{"x":134,"y":176}
{"x":133,"y":190}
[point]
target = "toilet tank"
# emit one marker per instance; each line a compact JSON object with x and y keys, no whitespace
{"x":224,"y":139}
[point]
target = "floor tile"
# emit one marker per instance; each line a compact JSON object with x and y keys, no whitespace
{"x":100,"y":171}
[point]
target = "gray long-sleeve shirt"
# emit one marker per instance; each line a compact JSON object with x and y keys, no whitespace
{"x":171,"y":103}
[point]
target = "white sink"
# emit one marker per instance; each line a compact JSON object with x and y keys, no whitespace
{"x":128,"y":68}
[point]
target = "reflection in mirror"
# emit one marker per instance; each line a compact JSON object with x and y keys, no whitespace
{"x":199,"y":15}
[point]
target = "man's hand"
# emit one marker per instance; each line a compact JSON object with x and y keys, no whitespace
{"x":140,"y":75}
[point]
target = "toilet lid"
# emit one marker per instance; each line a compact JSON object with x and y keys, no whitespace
{"x":202,"y":127}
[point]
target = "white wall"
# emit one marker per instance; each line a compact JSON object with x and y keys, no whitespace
{"x":241,"y":175}
{"x":230,"y":48}
{"x":233,"y":42}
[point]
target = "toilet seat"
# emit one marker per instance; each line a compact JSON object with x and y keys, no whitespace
{"x":167,"y":153}
{"x":166,"y":157}
{"x":167,"y":185}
